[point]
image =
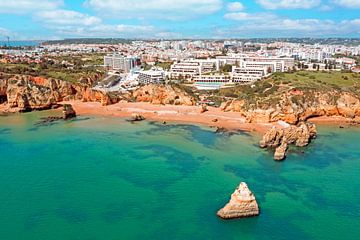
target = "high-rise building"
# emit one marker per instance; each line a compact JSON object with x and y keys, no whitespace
{"x":120,"y":62}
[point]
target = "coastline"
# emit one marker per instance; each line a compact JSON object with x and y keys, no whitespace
{"x":172,"y":113}
{"x":232,"y":121}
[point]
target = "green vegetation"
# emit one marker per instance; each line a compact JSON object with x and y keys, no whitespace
{"x":164,"y":65}
{"x":226,"y":68}
{"x":66,"y":68}
{"x":269,"y":92}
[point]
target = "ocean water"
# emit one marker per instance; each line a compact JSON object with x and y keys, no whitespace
{"x":20,"y":43}
{"x":105,"y":178}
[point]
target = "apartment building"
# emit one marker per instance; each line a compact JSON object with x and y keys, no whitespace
{"x":154,"y":75}
{"x":216,"y":78}
{"x":248,"y":75}
{"x":120,"y":62}
{"x":193,"y":67}
{"x":277,"y":64}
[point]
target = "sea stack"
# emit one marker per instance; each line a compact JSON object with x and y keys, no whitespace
{"x":242,"y":204}
{"x":68,"y":111}
{"x":280,"y":138}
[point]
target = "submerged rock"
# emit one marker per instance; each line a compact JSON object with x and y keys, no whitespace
{"x":68,"y":111}
{"x":242,"y":204}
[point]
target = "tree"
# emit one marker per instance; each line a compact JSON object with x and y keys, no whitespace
{"x":226,"y":68}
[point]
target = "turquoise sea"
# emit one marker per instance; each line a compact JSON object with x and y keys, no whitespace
{"x":98,"y":178}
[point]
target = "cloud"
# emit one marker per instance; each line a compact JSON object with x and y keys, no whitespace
{"x":271,"y":25}
{"x":243,"y":16}
{"x":348,"y":3}
{"x":28,"y":6}
{"x":68,"y":23}
{"x":160,"y":9}
{"x":289,"y":4}
{"x":325,"y":8}
{"x":66,"y":17}
{"x":5,"y":32}
{"x":235,"y":6}
{"x":121,"y":30}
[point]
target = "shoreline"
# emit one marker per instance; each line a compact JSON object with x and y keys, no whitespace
{"x":188,"y":114}
{"x":232,"y":121}
{"x":214,"y":117}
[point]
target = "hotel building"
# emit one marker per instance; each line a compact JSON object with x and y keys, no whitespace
{"x":120,"y":62}
{"x":155,"y":75}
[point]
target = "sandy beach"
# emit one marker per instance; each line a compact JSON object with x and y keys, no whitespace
{"x":214,"y":117}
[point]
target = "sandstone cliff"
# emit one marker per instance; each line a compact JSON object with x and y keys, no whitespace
{"x":295,"y":108}
{"x":163,"y":94}
{"x":242,"y":204}
{"x":25,"y":93}
{"x":280,"y":138}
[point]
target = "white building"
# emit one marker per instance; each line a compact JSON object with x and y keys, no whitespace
{"x":154,"y":75}
{"x":277,"y":64}
{"x":248,"y":75}
{"x":120,"y":62}
{"x":193,"y":67}
{"x":216,"y":78}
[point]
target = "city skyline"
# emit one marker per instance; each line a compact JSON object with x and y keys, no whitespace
{"x":212,"y":19}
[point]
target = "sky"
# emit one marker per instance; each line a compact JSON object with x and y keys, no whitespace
{"x":174,"y":19}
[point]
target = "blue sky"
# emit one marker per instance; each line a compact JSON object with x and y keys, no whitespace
{"x":57,"y":19}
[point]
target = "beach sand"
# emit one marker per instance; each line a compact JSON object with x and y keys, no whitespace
{"x":214,"y":117}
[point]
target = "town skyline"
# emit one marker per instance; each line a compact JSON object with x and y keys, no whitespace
{"x":186,"y":19}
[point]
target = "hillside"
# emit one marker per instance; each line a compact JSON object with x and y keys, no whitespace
{"x":296,"y":96}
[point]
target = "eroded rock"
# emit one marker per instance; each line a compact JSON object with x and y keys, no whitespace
{"x":242,"y":204}
{"x":27,"y":93}
{"x":280,"y":138}
{"x":163,"y":94}
{"x":136,"y":117}
{"x":68,"y":111}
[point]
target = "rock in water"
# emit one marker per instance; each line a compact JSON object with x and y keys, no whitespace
{"x":280,"y":152}
{"x":280,"y":138}
{"x":242,"y":204}
{"x":136,"y":117}
{"x":68,"y":111}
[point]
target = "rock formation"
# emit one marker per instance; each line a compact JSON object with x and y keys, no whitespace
{"x":163,"y":94}
{"x":26,"y":93}
{"x":293,"y":109}
{"x":136,"y":117}
{"x":280,"y":151}
{"x":203,"y":108}
{"x":280,"y":138}
{"x":242,"y":204}
{"x":68,"y":111}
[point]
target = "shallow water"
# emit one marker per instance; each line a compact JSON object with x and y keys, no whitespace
{"x":105,"y":178}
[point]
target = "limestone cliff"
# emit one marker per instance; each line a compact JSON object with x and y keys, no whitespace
{"x":163,"y":94}
{"x":242,"y":204}
{"x":295,"y":108}
{"x":25,"y":93}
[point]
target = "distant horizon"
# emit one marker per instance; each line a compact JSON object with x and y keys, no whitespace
{"x":179,"y":39}
{"x":179,"y":19}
